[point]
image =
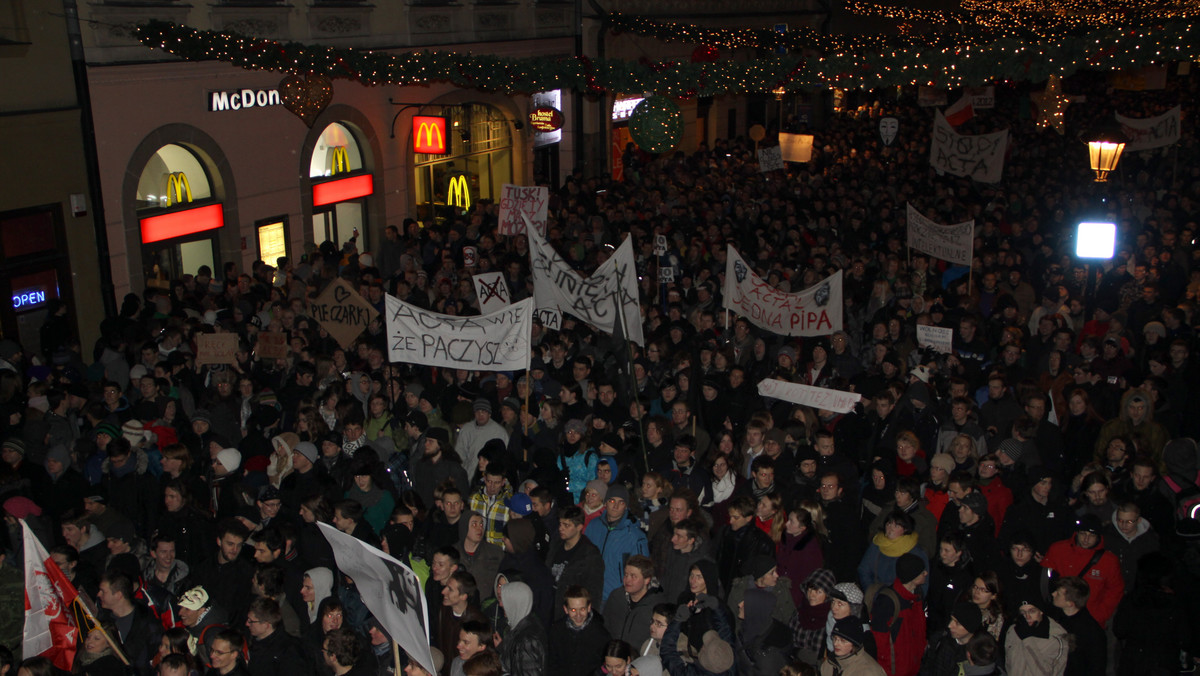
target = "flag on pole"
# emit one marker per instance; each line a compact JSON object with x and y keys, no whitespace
{"x":961,"y":111}
{"x":50,"y":629}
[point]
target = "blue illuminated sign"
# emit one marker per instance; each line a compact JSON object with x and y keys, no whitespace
{"x":28,"y":298}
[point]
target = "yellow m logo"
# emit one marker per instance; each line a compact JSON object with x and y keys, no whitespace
{"x":178,"y":188}
{"x":339,"y":161}
{"x":459,"y":194}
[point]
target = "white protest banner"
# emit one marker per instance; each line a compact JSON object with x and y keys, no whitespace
{"x":1151,"y":132}
{"x":795,"y":147}
{"x":390,"y":589}
{"x":770,"y":159}
{"x":816,"y":311}
{"x":493,"y":342}
{"x":953,"y":243}
{"x":492,"y":291}
{"x":591,"y":299}
{"x":807,"y":395}
{"x":935,"y":337}
{"x":517,"y":201}
{"x":979,"y":157}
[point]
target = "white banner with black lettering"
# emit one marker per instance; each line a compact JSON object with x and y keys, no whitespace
{"x":807,"y":395}
{"x":980,"y":157}
{"x":390,"y":589}
{"x":953,"y":243}
{"x":492,"y":291}
{"x":591,"y":299}
{"x":1151,"y":132}
{"x":936,"y":338}
{"x":816,"y":311}
{"x":521,"y":203}
{"x":497,"y":341}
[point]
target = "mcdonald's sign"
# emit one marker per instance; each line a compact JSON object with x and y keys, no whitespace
{"x":429,"y":135}
{"x":339,"y":161}
{"x":178,"y":188}
{"x":459,"y":193}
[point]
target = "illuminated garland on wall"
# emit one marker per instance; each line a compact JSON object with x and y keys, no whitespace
{"x":1107,"y":48}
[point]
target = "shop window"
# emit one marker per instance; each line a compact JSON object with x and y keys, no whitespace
{"x":173,"y":176}
{"x":336,"y":152}
{"x":477,"y":166}
{"x":341,"y":185}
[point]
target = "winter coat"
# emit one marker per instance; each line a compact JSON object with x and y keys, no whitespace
{"x":879,"y":563}
{"x":674,"y":664}
{"x":899,"y":644}
{"x":1153,"y":626}
{"x":785,"y":606}
{"x":276,"y":655}
{"x":1129,"y":550}
{"x":582,"y":566}
{"x":580,"y":468}
{"x":1104,"y":579}
{"x":766,"y":654}
{"x":1037,"y":655}
{"x":616,"y":542}
{"x":796,"y":558}
{"x":858,"y":663}
{"x":735,"y":548}
{"x":628,"y":620}
{"x":576,"y":651}
{"x":1047,"y":523}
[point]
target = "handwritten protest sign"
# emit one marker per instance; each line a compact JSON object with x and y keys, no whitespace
{"x":517,"y":201}
{"x":1151,"y":132}
{"x":795,"y":147}
{"x":936,"y":338}
{"x":953,"y":243}
{"x":807,"y":395}
{"x":660,"y":245}
{"x":498,"y":341}
{"x":342,"y":311}
{"x":816,"y":311}
{"x":390,"y":590}
{"x":979,"y":157}
{"x":770,"y":159}
{"x":272,"y":345}
{"x":216,"y":348}
{"x":550,"y":318}
{"x":593,"y":299}
{"x":492,"y":291}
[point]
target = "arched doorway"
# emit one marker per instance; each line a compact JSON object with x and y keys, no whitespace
{"x":341,"y":184}
{"x":179,"y":216}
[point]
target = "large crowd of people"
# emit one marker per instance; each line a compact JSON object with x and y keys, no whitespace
{"x":1025,"y":503}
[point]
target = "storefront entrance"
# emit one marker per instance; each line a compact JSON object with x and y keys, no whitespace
{"x":477,"y":167}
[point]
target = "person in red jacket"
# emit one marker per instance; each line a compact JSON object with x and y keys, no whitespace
{"x":999,"y":497}
{"x":898,"y":618}
{"x":1083,"y":556}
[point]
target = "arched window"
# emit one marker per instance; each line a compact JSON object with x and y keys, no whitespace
{"x":477,"y":167}
{"x":336,"y":152}
{"x":173,"y":176}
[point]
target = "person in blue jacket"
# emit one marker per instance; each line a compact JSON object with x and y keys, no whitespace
{"x":617,"y":536}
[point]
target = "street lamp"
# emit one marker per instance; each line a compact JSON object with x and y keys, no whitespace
{"x":1104,"y":151}
{"x":1094,"y":242}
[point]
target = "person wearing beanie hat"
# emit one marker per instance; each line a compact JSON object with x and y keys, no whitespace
{"x":617,"y":536}
{"x":759,"y":573}
{"x":1035,"y":644}
{"x":438,"y":463}
{"x":847,"y":656}
{"x":898,"y":618}
{"x":949,"y":648}
{"x":474,"y":434}
{"x":1083,"y":555}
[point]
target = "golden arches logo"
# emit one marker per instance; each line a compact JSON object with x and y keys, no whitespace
{"x":178,"y":188}
{"x":459,"y":194}
{"x":429,"y":135}
{"x":339,"y":160}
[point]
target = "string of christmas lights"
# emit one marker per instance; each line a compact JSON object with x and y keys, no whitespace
{"x":1104,"y":48}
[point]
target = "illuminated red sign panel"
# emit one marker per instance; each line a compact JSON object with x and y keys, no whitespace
{"x":182,"y":223}
{"x":429,"y":135}
{"x":331,"y":192}
{"x":546,"y":119}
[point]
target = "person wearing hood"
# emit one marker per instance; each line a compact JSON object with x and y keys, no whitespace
{"x":280,"y":466}
{"x":131,"y":490}
{"x":1129,"y":537}
{"x":523,"y":650}
{"x":317,"y":586}
{"x":1083,"y":555}
{"x":848,"y":657}
{"x":627,"y":612}
{"x":66,"y":487}
{"x":1036,"y":645}
{"x":577,"y":639}
{"x":1136,"y":422}
{"x":521,"y":555}
{"x":763,"y":641}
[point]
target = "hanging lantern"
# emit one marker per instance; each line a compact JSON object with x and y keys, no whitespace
{"x":1104,"y":151}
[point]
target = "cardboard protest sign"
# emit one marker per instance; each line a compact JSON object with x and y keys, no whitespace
{"x":660,"y":245}
{"x":807,"y":395}
{"x":272,"y":345}
{"x":979,"y":157}
{"x":816,"y":311}
{"x":592,"y":299}
{"x":953,"y":243}
{"x":770,"y":159}
{"x":498,"y":341}
{"x":520,"y":202}
{"x":1151,"y":132}
{"x":342,"y":311}
{"x":795,"y":147}
{"x":470,"y":256}
{"x":216,"y":348}
{"x":491,"y":290}
{"x":936,"y":338}
{"x":390,"y":590}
